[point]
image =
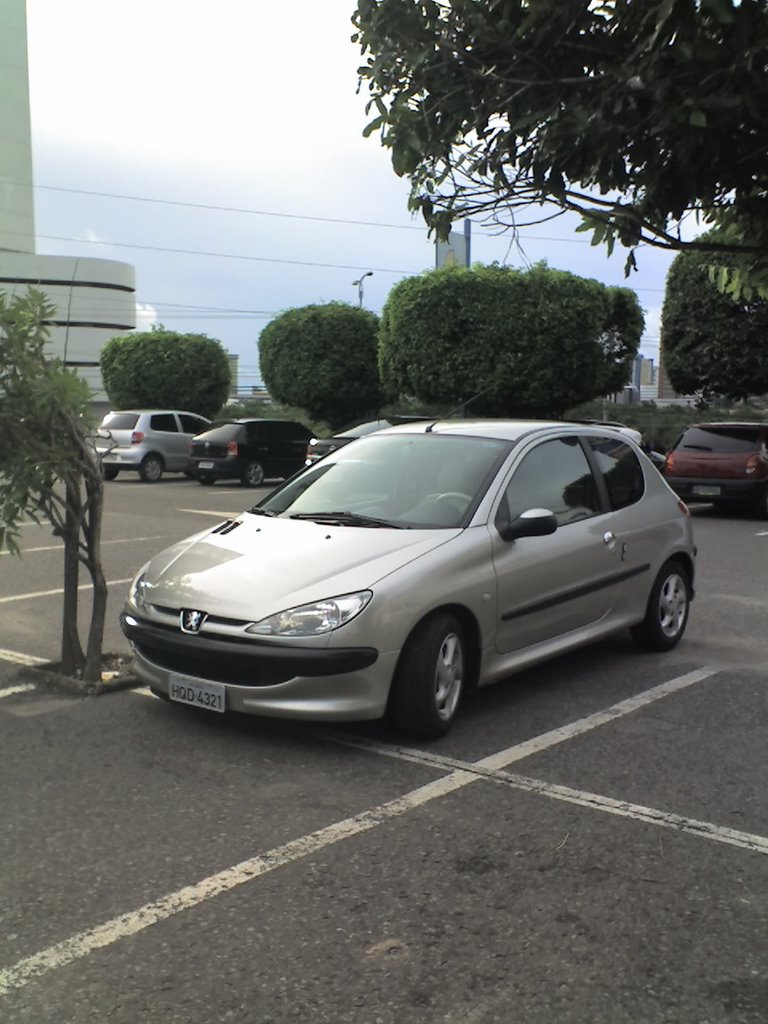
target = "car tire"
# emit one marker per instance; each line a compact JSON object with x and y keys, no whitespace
{"x":429,"y":678}
{"x":253,"y":474}
{"x":110,"y":472}
{"x":667,"y":613}
{"x":151,"y":469}
{"x":206,"y":481}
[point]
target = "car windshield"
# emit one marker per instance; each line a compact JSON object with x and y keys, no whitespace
{"x":422,"y":481}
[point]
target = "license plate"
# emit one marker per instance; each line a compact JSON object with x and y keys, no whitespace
{"x":211,"y":696}
{"x":205,"y":465}
{"x":705,"y":490}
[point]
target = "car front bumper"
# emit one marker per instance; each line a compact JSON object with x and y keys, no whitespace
{"x":331,"y":684}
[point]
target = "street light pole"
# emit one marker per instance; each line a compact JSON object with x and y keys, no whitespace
{"x":359,"y":283}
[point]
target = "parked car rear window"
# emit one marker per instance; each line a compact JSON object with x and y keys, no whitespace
{"x":225,"y":432}
{"x":120,"y":421}
{"x":720,"y":439}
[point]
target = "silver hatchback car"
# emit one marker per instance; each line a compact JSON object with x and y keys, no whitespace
{"x":411,"y":565}
{"x":148,"y":441}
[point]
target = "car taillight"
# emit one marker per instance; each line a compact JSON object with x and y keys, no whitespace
{"x":231,"y":447}
{"x":683,"y":508}
{"x":137,"y":437}
{"x":754,"y":462}
{"x":669,"y":463}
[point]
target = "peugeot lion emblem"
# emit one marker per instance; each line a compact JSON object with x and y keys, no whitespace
{"x":191,"y":620}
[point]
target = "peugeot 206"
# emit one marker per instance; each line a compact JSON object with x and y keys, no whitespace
{"x":411,"y":565}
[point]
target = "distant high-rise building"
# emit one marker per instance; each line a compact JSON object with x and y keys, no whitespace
{"x":94,"y":298}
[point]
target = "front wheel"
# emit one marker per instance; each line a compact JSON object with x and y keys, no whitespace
{"x":151,"y":469}
{"x":666,"y":615}
{"x":429,"y":678}
{"x":253,"y":475}
{"x":110,"y":472}
{"x":761,"y":504}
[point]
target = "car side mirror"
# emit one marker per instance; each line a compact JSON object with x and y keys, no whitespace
{"x":534,"y":522}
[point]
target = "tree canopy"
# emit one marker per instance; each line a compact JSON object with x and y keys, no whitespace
{"x":507,"y":342}
{"x":712,"y":344}
{"x":166,"y":370}
{"x":636,"y":115}
{"x":323,"y":359}
{"x":49,"y":468}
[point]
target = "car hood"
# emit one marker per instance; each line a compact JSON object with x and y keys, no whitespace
{"x":251,"y":567}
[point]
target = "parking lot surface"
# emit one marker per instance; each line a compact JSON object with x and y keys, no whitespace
{"x":589,"y":843}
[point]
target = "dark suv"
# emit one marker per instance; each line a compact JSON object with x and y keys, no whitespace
{"x":725,"y":463}
{"x":249,"y":450}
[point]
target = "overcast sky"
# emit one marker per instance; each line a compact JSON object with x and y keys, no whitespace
{"x":218,"y":148}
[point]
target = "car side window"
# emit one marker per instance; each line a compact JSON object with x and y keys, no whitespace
{"x":554,"y":475}
{"x":621,"y":470}
{"x":164,"y":422}
{"x":192,"y":424}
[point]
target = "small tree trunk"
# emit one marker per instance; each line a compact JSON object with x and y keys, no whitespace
{"x":95,"y":493}
{"x":72,"y":657}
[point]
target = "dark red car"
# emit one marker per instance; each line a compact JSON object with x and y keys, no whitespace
{"x":722,"y":463}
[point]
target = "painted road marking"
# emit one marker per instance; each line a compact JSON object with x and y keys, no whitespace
{"x":131,"y":923}
{"x":60,"y":590}
{"x":20,"y":659}
{"x":9,"y":691}
{"x":60,"y":546}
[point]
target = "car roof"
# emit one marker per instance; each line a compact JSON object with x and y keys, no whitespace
{"x":503,"y":430}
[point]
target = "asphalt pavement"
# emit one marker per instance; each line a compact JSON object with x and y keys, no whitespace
{"x":589,"y":844}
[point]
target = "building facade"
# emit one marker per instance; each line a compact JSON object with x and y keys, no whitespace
{"x":94,"y":299}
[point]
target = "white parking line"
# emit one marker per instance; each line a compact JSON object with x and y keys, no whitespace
{"x":60,"y":590}
{"x":60,"y":546}
{"x":9,"y":691}
{"x":20,"y":659}
{"x":82,"y":944}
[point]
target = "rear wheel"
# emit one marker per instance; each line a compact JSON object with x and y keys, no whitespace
{"x":151,"y":469}
{"x":110,"y":472}
{"x":429,"y":678}
{"x":253,"y":475}
{"x":667,"y":613}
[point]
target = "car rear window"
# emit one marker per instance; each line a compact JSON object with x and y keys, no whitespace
{"x":224,"y":432}
{"x":120,"y":421}
{"x":720,"y":439}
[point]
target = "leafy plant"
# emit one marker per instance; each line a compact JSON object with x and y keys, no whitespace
{"x":322,"y":359}
{"x":504,"y":342}
{"x":628,"y":113}
{"x":160,"y":369}
{"x":49,"y":469}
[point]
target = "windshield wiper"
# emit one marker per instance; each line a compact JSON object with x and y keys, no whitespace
{"x":256,"y":511}
{"x":698,"y":447}
{"x":349,"y":519}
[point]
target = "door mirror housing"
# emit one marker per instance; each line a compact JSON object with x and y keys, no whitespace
{"x":534,"y":522}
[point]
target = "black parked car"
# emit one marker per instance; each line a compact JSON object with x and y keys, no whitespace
{"x":249,"y":450}
{"x":320,"y":446}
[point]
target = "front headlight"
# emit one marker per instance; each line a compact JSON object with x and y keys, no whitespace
{"x":313,"y":619}
{"x":137,"y":592}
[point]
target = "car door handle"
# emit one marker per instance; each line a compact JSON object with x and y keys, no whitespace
{"x":608,"y":537}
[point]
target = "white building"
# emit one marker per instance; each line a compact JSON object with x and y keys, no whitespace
{"x":94,"y":299}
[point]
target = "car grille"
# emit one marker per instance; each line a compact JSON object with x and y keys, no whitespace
{"x":228,"y":668}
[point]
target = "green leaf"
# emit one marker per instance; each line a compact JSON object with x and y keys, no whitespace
{"x":698,"y":119}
